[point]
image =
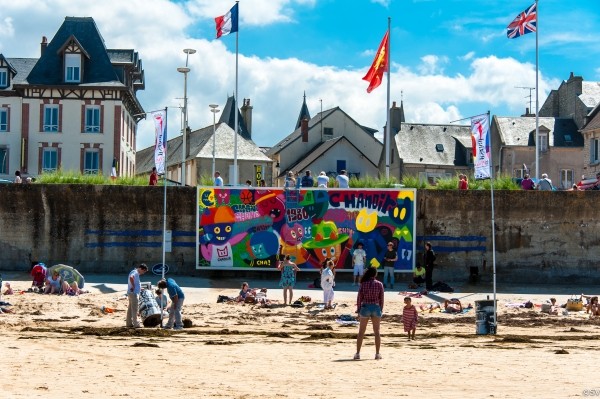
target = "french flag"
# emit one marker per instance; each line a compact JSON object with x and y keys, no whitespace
{"x":227,"y":23}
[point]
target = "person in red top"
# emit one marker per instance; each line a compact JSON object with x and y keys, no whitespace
{"x":369,"y":305}
{"x":153,"y":177}
{"x":463,"y":183}
{"x":409,"y":318}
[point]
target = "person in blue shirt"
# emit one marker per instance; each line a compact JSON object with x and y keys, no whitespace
{"x":177,"y":297}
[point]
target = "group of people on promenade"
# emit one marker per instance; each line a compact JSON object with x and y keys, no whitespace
{"x":322,"y":181}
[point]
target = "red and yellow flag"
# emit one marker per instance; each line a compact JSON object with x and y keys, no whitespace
{"x":380,"y":64}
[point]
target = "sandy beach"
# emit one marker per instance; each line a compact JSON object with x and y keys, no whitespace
{"x":59,"y":346}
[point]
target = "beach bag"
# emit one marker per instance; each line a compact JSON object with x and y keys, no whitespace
{"x":574,"y":304}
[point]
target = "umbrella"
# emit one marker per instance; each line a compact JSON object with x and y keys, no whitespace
{"x":68,"y":274}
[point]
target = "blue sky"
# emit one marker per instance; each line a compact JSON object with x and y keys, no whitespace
{"x":450,"y":58}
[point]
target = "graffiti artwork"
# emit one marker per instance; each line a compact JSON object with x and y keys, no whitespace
{"x":253,"y":227}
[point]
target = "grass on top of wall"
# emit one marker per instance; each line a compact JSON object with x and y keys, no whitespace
{"x":71,"y":177}
{"x":501,"y":182}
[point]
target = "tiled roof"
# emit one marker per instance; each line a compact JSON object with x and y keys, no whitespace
{"x":23,"y":66}
{"x":433,"y":144}
{"x":318,"y":152}
{"x":120,"y":56}
{"x":200,"y":146}
{"x":521,"y":131}
{"x":98,"y":68}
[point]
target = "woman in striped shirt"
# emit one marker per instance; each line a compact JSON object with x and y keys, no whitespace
{"x":369,"y":305}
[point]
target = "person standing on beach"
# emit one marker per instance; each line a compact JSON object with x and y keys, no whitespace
{"x":327,"y":284}
{"x":409,"y":318}
{"x":288,"y":278}
{"x":133,"y":290}
{"x":390,"y":258}
{"x":342,"y":179}
{"x":177,"y":297}
{"x":369,"y":305}
{"x":359,"y":259}
{"x":428,"y":259}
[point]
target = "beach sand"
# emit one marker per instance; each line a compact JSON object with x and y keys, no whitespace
{"x":61,"y":346}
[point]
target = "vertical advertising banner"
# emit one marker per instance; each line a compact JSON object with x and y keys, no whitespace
{"x":480,"y":138}
{"x":252,"y":227}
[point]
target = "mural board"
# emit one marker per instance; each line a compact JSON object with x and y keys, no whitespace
{"x":242,"y":227}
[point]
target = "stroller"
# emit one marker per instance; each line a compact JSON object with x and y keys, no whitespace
{"x":38,"y":272}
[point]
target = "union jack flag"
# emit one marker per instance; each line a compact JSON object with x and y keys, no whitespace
{"x":525,"y":22}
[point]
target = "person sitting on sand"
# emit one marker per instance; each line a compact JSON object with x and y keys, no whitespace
{"x":245,"y":293}
{"x":453,"y":306}
{"x":593,"y":308}
{"x":53,"y":283}
{"x":9,"y":290}
{"x":73,"y":289}
{"x":161,"y":299}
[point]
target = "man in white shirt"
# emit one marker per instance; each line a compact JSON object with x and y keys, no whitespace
{"x":359,"y":259}
{"x":322,"y":180}
{"x":218,"y":179}
{"x":342,"y":179}
{"x":133,"y":290}
{"x":545,"y":184}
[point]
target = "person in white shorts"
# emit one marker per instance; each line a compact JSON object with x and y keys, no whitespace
{"x":359,"y":258}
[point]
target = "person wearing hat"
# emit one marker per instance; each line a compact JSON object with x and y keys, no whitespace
{"x":322,"y":180}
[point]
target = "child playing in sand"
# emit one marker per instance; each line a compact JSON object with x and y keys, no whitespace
{"x":9,"y":290}
{"x":593,"y":308}
{"x":53,"y":284}
{"x":161,"y":299}
{"x":327,"y":282}
{"x":409,"y":318}
{"x":246,"y":293}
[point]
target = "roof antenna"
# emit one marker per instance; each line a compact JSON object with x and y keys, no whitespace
{"x":529,"y":96}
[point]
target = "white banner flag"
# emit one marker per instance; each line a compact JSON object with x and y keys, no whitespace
{"x":480,"y":138}
{"x":160,"y":142}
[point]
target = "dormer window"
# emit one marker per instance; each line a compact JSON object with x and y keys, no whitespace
{"x":73,"y":68}
{"x":3,"y":77}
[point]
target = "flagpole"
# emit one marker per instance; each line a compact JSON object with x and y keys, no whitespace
{"x":493,"y":223}
{"x":235,"y":138}
{"x":537,"y":99}
{"x":387,"y":124}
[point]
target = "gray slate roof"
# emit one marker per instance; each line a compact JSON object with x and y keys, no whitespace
{"x":98,"y":68}
{"x":23,"y":66}
{"x":228,"y":117}
{"x":417,"y":143}
{"x":200,"y":146}
{"x":318,"y":152}
{"x":521,"y":131}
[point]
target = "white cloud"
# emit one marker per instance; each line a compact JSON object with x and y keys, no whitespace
{"x":467,"y":56}
{"x":432,"y":64}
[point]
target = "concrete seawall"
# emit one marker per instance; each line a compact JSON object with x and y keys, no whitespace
{"x":543,"y":237}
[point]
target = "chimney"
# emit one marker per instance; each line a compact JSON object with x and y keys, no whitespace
{"x":304,"y":130}
{"x":247,"y":115}
{"x":43,"y":45}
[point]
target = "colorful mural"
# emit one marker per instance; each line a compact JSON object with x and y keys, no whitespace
{"x":253,"y":227}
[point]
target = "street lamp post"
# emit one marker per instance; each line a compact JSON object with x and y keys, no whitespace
{"x":185,"y":71}
{"x":214,"y":108}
